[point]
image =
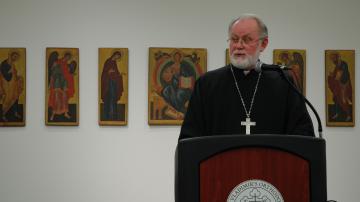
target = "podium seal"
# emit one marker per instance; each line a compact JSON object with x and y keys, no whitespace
{"x":255,"y":190}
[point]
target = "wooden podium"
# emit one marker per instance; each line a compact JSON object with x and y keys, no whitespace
{"x":221,"y":168}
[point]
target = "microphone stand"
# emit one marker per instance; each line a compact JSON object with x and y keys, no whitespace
{"x":306,"y":100}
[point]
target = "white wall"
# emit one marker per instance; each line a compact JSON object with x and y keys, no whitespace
{"x":90,"y":163}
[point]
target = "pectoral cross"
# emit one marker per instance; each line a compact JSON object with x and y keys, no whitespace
{"x":248,"y":123}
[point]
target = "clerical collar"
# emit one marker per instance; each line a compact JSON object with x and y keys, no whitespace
{"x":245,"y":72}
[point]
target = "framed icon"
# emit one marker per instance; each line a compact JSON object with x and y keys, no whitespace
{"x":113,"y":86}
{"x":340,"y":87}
{"x":296,"y":60}
{"x":12,"y":86}
{"x":62,"y":87}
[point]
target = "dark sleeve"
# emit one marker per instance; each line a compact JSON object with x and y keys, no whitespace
{"x":5,"y":67}
{"x":193,"y":124}
{"x":298,"y":121}
{"x":346,"y":75}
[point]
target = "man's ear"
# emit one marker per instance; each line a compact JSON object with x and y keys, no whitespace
{"x":264,"y":44}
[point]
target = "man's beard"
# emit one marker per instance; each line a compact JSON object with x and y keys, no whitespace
{"x":246,"y":63}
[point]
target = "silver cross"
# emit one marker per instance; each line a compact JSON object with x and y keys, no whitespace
{"x":248,"y":123}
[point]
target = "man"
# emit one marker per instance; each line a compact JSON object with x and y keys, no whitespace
{"x":340,"y":85}
{"x":235,"y":99}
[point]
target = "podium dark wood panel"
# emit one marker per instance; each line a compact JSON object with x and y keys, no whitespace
{"x":220,"y":174}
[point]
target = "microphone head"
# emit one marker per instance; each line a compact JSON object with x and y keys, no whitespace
{"x":284,"y":67}
{"x":260,"y":66}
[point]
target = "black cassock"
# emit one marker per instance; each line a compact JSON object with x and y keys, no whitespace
{"x":215,"y":106}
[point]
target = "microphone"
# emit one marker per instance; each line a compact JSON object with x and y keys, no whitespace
{"x":260,"y":66}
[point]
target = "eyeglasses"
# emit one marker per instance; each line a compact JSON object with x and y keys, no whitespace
{"x":246,"y":40}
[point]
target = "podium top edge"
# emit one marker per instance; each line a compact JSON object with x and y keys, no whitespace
{"x":264,"y":137}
